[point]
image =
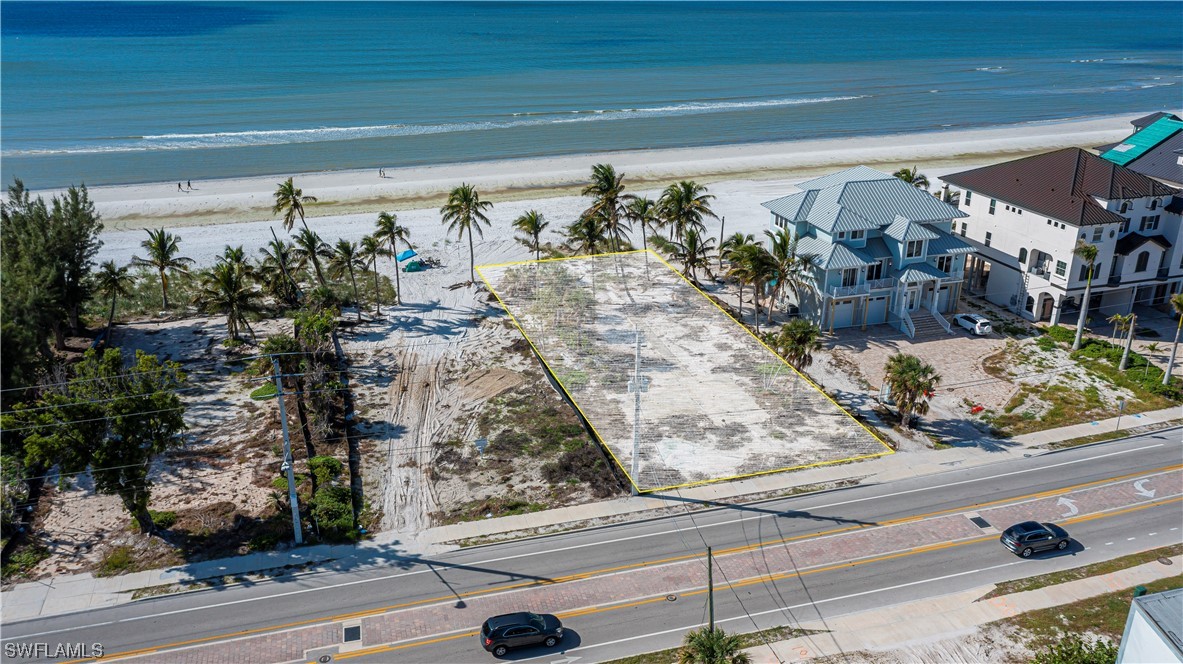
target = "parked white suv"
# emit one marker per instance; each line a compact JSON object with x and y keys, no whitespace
{"x":977,"y":324}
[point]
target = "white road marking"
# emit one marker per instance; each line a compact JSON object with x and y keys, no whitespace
{"x":1071,"y":505}
{"x":1130,"y":539}
{"x":781,"y":609}
{"x":572,"y":547}
{"x":1142,"y":490}
{"x":1152,"y":534}
{"x":1108,"y":543}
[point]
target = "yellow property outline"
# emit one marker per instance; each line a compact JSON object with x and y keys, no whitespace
{"x":705,"y":296}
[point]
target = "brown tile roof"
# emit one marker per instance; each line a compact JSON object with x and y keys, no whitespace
{"x":1061,"y":185}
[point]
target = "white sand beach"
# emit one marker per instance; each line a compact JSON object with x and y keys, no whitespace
{"x":347,"y":192}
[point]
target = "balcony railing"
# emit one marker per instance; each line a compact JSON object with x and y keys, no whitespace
{"x":848,"y":291}
{"x":887,"y":283}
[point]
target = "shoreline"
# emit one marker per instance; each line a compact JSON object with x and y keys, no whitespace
{"x":235,"y":200}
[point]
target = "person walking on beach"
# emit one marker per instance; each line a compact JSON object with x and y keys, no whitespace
{"x":179,"y":187}
{"x":189,"y":184}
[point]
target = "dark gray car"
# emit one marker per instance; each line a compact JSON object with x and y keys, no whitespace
{"x":1024,"y":539}
{"x":516,"y":630}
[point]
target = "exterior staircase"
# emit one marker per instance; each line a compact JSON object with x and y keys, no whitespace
{"x":927,"y":326}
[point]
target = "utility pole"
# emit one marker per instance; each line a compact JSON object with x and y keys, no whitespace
{"x":711,"y":589}
{"x":287,"y":453}
{"x":637,"y":385}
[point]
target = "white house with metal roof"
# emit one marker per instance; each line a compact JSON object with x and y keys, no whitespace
{"x":884,"y":251}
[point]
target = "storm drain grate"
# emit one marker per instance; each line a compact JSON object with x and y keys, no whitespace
{"x":352,"y":633}
{"x":980,"y":522}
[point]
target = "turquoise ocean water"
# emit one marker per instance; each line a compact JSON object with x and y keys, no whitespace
{"x":120,"y":92}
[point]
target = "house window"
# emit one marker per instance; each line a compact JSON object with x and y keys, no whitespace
{"x":968,"y":194}
{"x":1098,"y":233}
{"x":842,"y":235}
{"x":1149,"y":223}
{"x":1023,"y":256}
{"x":1143,"y":262}
{"x":1154,"y":204}
{"x":1125,"y":226}
{"x":964,"y":228}
{"x":1030,"y":306}
{"x":1125,"y":206}
{"x":875,"y":271}
{"x":857,"y":235}
{"x":993,"y":203}
{"x":1061,"y":268}
{"x":1049,"y":222}
{"x":945,"y":264}
{"x":988,"y":238}
{"x":1084,"y":272}
{"x":850,"y":277}
{"x":915,"y":249}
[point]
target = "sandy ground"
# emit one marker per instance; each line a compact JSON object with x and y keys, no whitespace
{"x":343,"y":192}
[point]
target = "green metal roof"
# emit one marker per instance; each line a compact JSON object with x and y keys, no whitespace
{"x":1136,"y":144}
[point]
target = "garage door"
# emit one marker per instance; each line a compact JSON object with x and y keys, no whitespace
{"x":877,"y":310}
{"x":943,"y":299}
{"x":844,"y":313}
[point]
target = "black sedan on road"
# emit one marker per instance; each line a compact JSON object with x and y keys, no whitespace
{"x":499,"y":634}
{"x":1028,"y":537}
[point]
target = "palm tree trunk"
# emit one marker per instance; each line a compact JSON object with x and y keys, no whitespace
{"x":471,"y":259}
{"x":1166,"y":377}
{"x":164,"y":289}
{"x":1084,"y":310}
{"x":1125,"y":354}
{"x":320,"y":277}
{"x":741,"y":300}
{"x":110,"y":318}
{"x":377,"y":297}
{"x":398,"y":288}
{"x":356,"y":297}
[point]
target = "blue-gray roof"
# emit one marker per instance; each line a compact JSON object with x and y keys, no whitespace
{"x":835,"y":256}
{"x":947,"y":244}
{"x":905,"y":230}
{"x":917,"y":272}
{"x":877,"y":248}
{"x":860,"y":198}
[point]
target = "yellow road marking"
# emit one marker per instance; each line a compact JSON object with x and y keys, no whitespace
{"x":640,"y":565}
{"x":760,"y":579}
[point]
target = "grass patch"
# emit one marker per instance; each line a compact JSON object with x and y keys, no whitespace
{"x":747,"y":640}
{"x":1104,"y":615}
{"x":22,"y":560}
{"x":489,"y":508}
{"x":118,"y":560}
{"x":1111,"y":435}
{"x":1077,"y":573}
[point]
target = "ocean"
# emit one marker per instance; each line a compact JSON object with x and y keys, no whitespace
{"x":121,"y":92}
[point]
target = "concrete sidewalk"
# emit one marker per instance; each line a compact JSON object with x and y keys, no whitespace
{"x":893,"y":627}
{"x":67,"y":594}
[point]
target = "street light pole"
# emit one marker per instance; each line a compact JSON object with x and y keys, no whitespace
{"x":711,"y":588}
{"x":637,"y":385}
{"x":287,"y":453}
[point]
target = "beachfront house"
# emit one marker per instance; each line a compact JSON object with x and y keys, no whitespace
{"x":884,"y":249}
{"x":1026,"y":216}
{"x":1154,"y":149}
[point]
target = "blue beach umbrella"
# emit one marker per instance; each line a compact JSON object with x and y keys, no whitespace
{"x":406,"y":254}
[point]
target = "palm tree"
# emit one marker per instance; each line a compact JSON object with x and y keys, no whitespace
{"x":797,"y":341}
{"x":277,"y":272}
{"x":793,"y":270}
{"x":162,"y":248}
{"x":1120,"y":322}
{"x":913,"y":177}
{"x":586,"y":234}
{"x":1151,"y":349}
{"x":1132,"y":324}
{"x":712,"y":646}
{"x":346,"y":261}
{"x":694,"y":252}
{"x":389,"y":231}
{"x":752,"y":264}
{"x":1087,"y":253}
{"x":606,"y":189}
{"x":733,"y":242}
{"x":227,"y":290}
{"x":371,"y":249}
{"x":532,"y":223}
{"x":310,"y":249}
{"x":911,"y":382}
{"x":465,"y":212}
{"x":642,"y":211}
{"x":1177,"y":305}
{"x":113,"y":281}
{"x":684,"y":205}
{"x":290,"y":200}
{"x":236,"y":258}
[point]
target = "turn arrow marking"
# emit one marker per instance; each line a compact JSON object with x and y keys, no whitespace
{"x":1072,"y":511}
{"x":1142,"y":491}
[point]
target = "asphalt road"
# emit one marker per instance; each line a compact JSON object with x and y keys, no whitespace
{"x":214,"y":614}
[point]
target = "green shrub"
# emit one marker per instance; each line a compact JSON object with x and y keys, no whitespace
{"x":265,"y":391}
{"x":163,"y":520}
{"x":1045,"y":343}
{"x":118,"y":560}
{"x":1071,"y":649}
{"x":1060,"y":333}
{"x":325,"y":469}
{"x":23,"y":560}
{"x":333,"y":510}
